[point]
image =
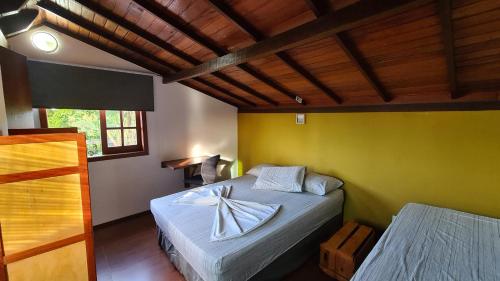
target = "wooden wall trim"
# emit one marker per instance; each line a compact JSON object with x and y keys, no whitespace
{"x":347,"y":18}
{"x":123,"y":219}
{"x":456,"y":106}
{"x":22,"y":139}
{"x":43,"y":130}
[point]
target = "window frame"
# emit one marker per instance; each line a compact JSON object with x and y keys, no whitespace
{"x":140,"y":149}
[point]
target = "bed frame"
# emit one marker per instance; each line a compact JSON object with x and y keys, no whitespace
{"x":279,"y":268}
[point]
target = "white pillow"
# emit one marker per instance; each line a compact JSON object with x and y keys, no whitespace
{"x":321,"y":184}
{"x":288,"y":179}
{"x":255,"y":171}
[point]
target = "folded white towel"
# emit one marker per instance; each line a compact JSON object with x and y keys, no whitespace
{"x":235,"y":218}
{"x":205,"y":196}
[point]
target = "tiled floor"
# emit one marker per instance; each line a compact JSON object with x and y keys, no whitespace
{"x":129,"y":251}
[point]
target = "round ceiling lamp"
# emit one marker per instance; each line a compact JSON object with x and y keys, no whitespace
{"x":45,"y":42}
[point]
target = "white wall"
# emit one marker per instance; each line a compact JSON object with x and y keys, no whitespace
{"x":184,"y":123}
{"x":70,"y":51}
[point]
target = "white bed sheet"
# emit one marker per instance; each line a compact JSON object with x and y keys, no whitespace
{"x":430,"y":243}
{"x":189,"y":227}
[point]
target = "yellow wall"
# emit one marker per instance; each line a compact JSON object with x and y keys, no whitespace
{"x":448,"y":159}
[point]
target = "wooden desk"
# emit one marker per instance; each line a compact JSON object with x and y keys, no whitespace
{"x":188,"y":164}
{"x":183,"y":163}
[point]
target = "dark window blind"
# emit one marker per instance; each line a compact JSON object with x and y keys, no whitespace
{"x":72,"y":87}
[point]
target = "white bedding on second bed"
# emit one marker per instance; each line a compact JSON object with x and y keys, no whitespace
{"x":189,"y":227}
{"x":430,"y":243}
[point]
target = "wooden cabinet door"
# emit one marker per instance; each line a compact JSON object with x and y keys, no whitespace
{"x":45,"y":215}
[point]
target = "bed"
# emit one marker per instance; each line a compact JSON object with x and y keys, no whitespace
{"x":430,"y":243}
{"x":266,"y":253}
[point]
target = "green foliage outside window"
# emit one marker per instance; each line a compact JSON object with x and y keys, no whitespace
{"x":87,"y":121}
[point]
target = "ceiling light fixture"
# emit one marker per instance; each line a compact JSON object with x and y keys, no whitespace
{"x":45,"y":42}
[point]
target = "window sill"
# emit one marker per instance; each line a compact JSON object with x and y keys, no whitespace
{"x":117,"y":156}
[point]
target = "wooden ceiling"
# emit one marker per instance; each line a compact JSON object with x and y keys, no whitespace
{"x":338,"y":55}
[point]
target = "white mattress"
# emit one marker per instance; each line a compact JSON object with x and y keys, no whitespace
{"x":188,"y":228}
{"x":429,"y":243}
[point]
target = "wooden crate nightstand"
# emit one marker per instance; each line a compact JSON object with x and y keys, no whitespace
{"x":344,"y":252}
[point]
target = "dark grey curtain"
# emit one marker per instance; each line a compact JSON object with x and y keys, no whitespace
{"x":64,"y":86}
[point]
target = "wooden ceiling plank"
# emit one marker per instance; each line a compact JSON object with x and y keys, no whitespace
{"x":173,"y":20}
{"x":226,"y":92}
{"x":277,"y":86}
{"x":244,"y":87}
{"x":209,"y":94}
{"x":94,"y":6}
{"x":228,"y":12}
{"x":445,"y":16}
{"x":323,"y":7}
{"x":347,"y":18}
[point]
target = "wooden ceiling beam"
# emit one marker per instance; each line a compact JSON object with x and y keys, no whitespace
{"x":174,"y":21}
{"x":228,"y":12}
{"x":345,"y":19}
{"x":445,"y":16}
{"x":323,"y":7}
{"x":93,"y":6}
{"x":133,"y":60}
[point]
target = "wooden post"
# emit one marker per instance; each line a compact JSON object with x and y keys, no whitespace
{"x":3,"y":267}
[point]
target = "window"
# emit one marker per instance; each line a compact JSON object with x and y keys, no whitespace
{"x":110,"y":133}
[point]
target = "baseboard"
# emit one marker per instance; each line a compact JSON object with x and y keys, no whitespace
{"x":120,"y":220}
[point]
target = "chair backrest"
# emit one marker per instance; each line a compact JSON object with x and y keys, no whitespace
{"x":209,"y":169}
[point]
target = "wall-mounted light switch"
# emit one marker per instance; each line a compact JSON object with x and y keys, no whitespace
{"x":300,"y":119}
